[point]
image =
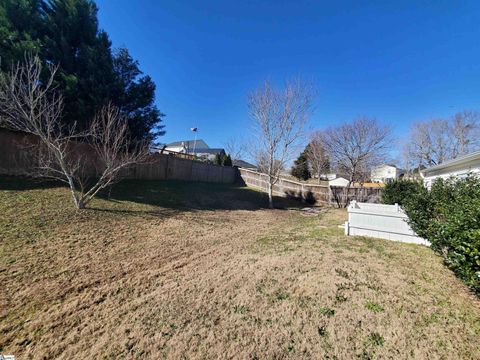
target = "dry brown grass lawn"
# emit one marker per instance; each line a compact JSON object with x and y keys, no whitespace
{"x":198,"y":271}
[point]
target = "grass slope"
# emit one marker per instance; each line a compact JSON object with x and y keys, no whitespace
{"x":181,"y":270}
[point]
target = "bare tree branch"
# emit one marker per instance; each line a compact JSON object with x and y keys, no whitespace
{"x":279,"y":116}
{"x":357,"y":146}
{"x":30,"y":105}
{"x":435,"y":141}
{"x":235,"y":148}
{"x":317,"y":155}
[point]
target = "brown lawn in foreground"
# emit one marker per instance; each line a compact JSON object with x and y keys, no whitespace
{"x":182,"y":270}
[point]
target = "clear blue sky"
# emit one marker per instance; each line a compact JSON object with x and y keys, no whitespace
{"x":399,"y":61}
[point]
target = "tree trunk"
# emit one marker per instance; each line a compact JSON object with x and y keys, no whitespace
{"x":80,"y":204}
{"x":270,"y":195}
{"x":347,"y":190}
{"x":76,"y":200}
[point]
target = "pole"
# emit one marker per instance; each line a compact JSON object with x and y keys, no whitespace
{"x":195,"y":142}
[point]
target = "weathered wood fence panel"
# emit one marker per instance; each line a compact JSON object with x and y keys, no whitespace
{"x":288,"y":188}
{"x":339,"y":195}
{"x":16,"y":159}
{"x":381,"y":221}
{"x":320,"y":194}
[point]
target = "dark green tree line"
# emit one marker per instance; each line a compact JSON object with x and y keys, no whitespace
{"x":90,"y":74}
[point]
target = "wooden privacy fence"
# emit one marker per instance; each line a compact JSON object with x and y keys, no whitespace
{"x":170,"y":167}
{"x":16,"y":159}
{"x":318,"y":194}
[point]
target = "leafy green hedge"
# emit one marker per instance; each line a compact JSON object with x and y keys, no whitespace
{"x":396,"y":192}
{"x":449,"y":217}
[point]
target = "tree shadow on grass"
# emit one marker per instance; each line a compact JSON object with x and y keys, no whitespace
{"x":184,"y":196}
{"x":166,"y":197}
{"x":160,"y":213}
{"x":21,"y":183}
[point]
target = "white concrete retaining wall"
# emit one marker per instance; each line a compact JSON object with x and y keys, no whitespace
{"x":380,"y":221}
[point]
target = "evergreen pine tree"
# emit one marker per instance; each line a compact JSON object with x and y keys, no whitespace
{"x":227,"y":160}
{"x":300,"y":168}
{"x":66,"y":33}
{"x":217,"y":160}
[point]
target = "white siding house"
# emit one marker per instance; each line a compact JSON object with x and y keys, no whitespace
{"x":198,"y":148}
{"x":186,"y":146}
{"x":459,"y":168}
{"x":339,"y":181}
{"x":385,"y":173}
{"x":330,"y":176}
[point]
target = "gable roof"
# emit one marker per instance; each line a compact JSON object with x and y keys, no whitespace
{"x":457,"y":161}
{"x":243,"y":164}
{"x":189,"y":144}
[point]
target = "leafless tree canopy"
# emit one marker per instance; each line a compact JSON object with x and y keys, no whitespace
{"x":355,"y":147}
{"x":317,"y":155}
{"x":235,"y":148}
{"x":27,"y":104}
{"x":435,"y":141}
{"x":279,"y":116}
{"x":31,"y":106}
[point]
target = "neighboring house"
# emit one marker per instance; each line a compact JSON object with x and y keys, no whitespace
{"x":209,"y":153}
{"x":198,"y":148}
{"x":244,"y":164}
{"x":329,"y":177}
{"x":459,"y":168}
{"x":186,"y":146}
{"x":339,"y":181}
{"x":413,"y":174}
{"x":385,"y":173}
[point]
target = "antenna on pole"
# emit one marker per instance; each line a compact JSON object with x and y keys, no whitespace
{"x":195,"y":130}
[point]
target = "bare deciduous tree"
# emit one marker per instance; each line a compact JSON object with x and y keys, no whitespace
{"x":435,"y":141}
{"x":235,"y":148}
{"x":430,"y":142}
{"x":317,"y":155}
{"x":30,"y":105}
{"x":279,"y":117}
{"x":465,"y":128}
{"x":357,"y":146}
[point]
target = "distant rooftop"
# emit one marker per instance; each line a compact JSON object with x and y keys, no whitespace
{"x":189,"y":144}
{"x":457,"y":161}
{"x":243,"y":164}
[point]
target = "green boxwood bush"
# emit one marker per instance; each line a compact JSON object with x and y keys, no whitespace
{"x":449,"y":217}
{"x":397,"y":191}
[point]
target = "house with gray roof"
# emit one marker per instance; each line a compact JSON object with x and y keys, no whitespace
{"x":186,"y":146}
{"x":198,"y":148}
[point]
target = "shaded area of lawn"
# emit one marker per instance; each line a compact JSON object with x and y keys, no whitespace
{"x":178,"y":195}
{"x":194,"y":196}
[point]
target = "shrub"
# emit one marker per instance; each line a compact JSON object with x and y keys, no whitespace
{"x":399,"y":190}
{"x":300,"y":167}
{"x":227,"y":160}
{"x":217,"y":160}
{"x":449,"y":217}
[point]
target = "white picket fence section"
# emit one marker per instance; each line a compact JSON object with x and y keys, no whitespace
{"x":380,"y":221}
